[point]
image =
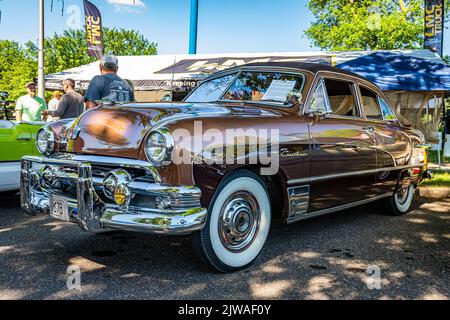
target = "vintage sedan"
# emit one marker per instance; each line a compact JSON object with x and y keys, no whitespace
{"x":280,"y":140}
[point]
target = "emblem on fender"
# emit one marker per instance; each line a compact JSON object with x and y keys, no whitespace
{"x":295,"y":152}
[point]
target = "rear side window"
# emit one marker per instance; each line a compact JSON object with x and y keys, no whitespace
{"x":370,"y":104}
{"x":212,"y":90}
{"x":341,"y":98}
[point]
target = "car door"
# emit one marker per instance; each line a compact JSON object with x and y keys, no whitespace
{"x":393,"y":145}
{"x":15,"y":141}
{"x":343,"y":154}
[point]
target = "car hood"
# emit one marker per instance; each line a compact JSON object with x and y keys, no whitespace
{"x":120,"y":130}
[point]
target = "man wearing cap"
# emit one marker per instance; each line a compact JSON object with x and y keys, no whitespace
{"x":30,"y":107}
{"x":108,"y":86}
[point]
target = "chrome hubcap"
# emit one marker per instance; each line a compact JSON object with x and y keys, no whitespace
{"x":239,"y":221}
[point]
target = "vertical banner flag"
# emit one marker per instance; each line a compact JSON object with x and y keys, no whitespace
{"x":434,"y":25}
{"x":94,"y":31}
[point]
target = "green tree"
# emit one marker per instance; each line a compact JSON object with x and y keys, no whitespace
{"x":18,"y":64}
{"x":16,"y":68}
{"x":69,"y":50}
{"x":367,"y":24}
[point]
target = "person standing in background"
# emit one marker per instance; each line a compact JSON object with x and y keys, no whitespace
{"x":30,"y":107}
{"x":108,"y":86}
{"x":53,"y":105}
{"x":71,"y":104}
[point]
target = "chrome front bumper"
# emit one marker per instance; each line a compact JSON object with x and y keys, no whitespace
{"x":87,"y":207}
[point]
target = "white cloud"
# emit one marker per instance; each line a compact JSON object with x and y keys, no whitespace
{"x":127,"y":6}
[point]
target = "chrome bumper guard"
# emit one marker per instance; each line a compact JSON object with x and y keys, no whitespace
{"x":93,"y":214}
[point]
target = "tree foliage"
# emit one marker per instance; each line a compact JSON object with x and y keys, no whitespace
{"x":16,"y":68}
{"x":18,"y":64}
{"x":69,"y":49}
{"x":367,"y":24}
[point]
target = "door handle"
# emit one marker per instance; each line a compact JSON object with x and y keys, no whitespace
{"x":369,"y":129}
{"x":24,"y":139}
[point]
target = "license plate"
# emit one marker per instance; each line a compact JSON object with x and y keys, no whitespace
{"x":59,"y":209}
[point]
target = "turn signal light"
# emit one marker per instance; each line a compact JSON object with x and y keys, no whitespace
{"x":122,"y":195}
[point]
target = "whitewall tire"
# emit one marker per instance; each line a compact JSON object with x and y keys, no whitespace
{"x":238,"y":223}
{"x":400,"y":203}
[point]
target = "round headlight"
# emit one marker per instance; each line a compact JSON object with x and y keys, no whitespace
{"x":159,"y":146}
{"x":45,"y":141}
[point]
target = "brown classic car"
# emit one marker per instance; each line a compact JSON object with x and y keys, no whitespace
{"x":264,"y":141}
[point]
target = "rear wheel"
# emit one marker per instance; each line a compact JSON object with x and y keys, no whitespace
{"x":400,"y":203}
{"x":238,"y":223}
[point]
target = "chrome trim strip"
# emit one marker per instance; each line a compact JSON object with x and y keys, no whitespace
{"x":298,"y":201}
{"x":349,"y":174}
{"x":337,"y":209}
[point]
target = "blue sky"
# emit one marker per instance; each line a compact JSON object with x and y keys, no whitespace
{"x":224,"y":26}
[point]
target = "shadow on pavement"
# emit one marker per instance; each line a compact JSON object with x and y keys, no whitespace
{"x":322,"y":258}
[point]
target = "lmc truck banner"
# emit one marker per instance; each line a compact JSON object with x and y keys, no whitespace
{"x":434,"y":25}
{"x":94,"y":31}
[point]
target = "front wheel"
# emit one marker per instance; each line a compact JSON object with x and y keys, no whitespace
{"x":238,"y":223}
{"x":400,"y":203}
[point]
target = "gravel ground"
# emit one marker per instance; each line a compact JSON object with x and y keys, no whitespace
{"x":322,"y":258}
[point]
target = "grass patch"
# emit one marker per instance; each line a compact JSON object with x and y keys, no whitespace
{"x":440,"y":179}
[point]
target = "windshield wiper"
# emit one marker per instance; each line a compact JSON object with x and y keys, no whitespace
{"x":285,"y":103}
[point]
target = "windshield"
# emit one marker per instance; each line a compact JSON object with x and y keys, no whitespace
{"x":252,"y":86}
{"x":275,"y":87}
{"x":212,"y":90}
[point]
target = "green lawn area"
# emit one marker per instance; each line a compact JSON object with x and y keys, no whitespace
{"x":440,"y":179}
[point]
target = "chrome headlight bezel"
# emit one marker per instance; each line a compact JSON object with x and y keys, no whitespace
{"x":45,"y":141}
{"x":158,"y":147}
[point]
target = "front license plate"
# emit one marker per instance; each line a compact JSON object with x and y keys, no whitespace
{"x":59,"y":209}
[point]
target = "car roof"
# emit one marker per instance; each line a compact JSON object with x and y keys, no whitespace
{"x":312,"y":67}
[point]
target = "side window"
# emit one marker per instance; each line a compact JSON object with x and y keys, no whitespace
{"x":386,"y":110}
{"x":341,"y":98}
{"x":319,"y":100}
{"x":211,"y":90}
{"x":370,"y":104}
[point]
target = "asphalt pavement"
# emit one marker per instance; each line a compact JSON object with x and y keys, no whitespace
{"x":356,"y":254}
